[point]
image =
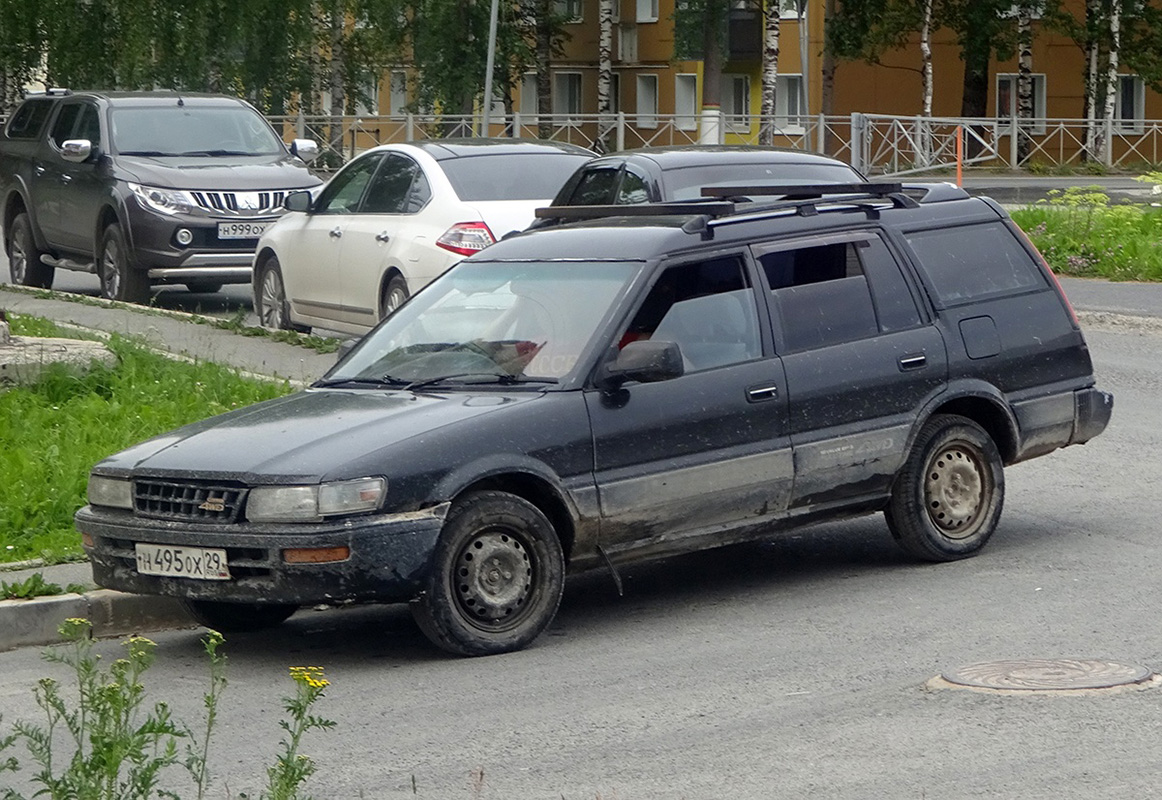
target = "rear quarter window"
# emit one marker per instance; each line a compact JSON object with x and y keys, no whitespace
{"x":29,"y":119}
{"x":512,"y":176}
{"x":974,"y":262}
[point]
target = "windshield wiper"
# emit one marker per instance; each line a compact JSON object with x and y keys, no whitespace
{"x":503,"y":378}
{"x":215,"y":153}
{"x":382,"y":381}
{"x":145,"y":153}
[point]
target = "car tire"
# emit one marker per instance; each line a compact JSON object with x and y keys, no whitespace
{"x":394,"y":295}
{"x":496,"y":579}
{"x":204,"y":288}
{"x":24,"y":256}
{"x":948,"y":496}
{"x":270,"y":303}
{"x":238,"y":617}
{"x":119,"y":280}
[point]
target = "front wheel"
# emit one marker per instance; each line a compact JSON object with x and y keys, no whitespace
{"x":270,"y":302}
{"x":496,"y":580}
{"x":119,"y":280}
{"x":238,"y":617}
{"x":948,"y":496}
{"x":24,"y":256}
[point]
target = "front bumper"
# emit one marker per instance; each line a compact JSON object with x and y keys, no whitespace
{"x":390,"y":555}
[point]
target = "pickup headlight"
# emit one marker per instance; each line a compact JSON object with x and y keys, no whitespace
{"x":163,"y":201}
{"x":110,"y":492}
{"x":312,"y":503}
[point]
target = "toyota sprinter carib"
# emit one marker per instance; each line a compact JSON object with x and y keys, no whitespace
{"x":675,"y":378}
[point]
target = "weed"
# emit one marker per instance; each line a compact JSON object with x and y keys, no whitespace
{"x":35,"y":586}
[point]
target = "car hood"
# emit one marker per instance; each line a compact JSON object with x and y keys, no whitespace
{"x":234,"y":173}
{"x":306,"y":437}
{"x":506,"y":216}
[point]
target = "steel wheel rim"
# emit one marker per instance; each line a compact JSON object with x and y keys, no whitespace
{"x":956,"y":490}
{"x":110,"y":272}
{"x":17,"y":260}
{"x":493,"y":579}
{"x":273,"y":298}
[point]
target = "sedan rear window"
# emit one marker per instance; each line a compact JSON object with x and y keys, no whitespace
{"x":511,"y":176}
{"x":686,"y":183}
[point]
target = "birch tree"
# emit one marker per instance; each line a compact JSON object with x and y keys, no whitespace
{"x":1101,"y":138}
{"x":604,"y":75}
{"x":1024,"y":80}
{"x":926,"y":57}
{"x":772,"y":22}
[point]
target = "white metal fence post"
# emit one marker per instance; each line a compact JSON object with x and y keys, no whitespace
{"x":1108,"y":154}
{"x":620,"y":143}
{"x":857,"y":159}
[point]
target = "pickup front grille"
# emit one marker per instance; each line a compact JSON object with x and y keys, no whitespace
{"x":187,"y":501}
{"x":241,"y":204}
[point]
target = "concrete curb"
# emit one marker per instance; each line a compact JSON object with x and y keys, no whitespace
{"x":25,"y":623}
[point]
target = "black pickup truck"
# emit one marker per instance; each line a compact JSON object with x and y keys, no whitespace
{"x":142,"y":188}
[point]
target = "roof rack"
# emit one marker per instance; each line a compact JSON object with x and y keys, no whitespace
{"x":805,"y":191}
{"x":709,"y":208}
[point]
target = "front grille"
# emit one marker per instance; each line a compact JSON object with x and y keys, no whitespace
{"x":241,"y":204}
{"x":187,"y":501}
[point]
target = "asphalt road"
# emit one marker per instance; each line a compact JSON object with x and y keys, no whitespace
{"x":788,"y":669}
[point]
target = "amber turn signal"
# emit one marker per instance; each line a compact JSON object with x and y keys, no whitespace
{"x":315,"y":555}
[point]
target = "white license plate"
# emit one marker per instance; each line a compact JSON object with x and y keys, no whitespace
{"x":241,"y":230}
{"x":182,"y":562}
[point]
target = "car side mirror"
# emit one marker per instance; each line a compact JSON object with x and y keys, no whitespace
{"x":297,"y":201}
{"x":76,"y":150}
{"x":306,"y":149}
{"x":646,"y":362}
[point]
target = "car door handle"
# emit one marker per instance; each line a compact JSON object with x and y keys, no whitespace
{"x":757,"y":394}
{"x":382,"y":236}
{"x":66,"y":178}
{"x":336,"y":232}
{"x":39,"y":170}
{"x":913,"y":361}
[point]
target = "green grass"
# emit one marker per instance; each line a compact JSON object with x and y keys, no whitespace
{"x":1081,"y":234}
{"x":52,"y":433}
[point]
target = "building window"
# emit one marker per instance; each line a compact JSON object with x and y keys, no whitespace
{"x":789,"y":9}
{"x":627,"y":43}
{"x":367,"y":97}
{"x":568,"y":10}
{"x":528,"y":98}
{"x":615,"y":93}
{"x":567,"y":93}
{"x":736,"y":102}
{"x":686,"y":102}
{"x":398,"y":92}
{"x":1007,"y":100}
{"x":789,"y":102}
{"x":647,"y":10}
{"x":647,"y":101}
{"x":1130,"y":104}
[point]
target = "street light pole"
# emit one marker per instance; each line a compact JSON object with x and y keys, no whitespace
{"x":491,"y":59}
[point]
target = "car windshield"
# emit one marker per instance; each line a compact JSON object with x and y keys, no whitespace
{"x":686,"y":183}
{"x":192,"y":130}
{"x":491,"y":322}
{"x":511,"y":176}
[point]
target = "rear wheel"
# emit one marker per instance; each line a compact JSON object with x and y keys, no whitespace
{"x":119,"y":281}
{"x":24,"y":256}
{"x":496,"y":579}
{"x":238,"y":617}
{"x":948,"y":497}
{"x":394,"y":295}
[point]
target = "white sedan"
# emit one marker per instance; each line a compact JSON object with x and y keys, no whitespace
{"x":392,"y":220}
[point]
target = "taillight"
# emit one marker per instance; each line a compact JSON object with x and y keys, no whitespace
{"x":466,"y":238}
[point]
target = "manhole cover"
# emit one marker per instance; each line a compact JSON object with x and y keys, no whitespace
{"x":1050,"y":674}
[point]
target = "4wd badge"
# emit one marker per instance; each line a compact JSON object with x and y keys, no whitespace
{"x":213,"y":504}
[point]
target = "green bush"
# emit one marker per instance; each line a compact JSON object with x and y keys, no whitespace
{"x":1080,"y":233}
{"x":52,"y":433}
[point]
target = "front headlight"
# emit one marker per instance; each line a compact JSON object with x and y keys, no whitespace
{"x":312,"y":503}
{"x":110,"y":492}
{"x":163,"y":201}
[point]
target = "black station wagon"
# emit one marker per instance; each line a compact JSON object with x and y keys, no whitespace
{"x":675,"y":378}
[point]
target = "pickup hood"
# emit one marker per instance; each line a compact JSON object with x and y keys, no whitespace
{"x":218,"y":173}
{"x":309,"y":436}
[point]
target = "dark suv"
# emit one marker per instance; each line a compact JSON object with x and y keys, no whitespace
{"x":675,"y":378}
{"x":142,"y":188}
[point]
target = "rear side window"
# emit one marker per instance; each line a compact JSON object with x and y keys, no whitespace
{"x":29,"y":119}
{"x":974,"y":262}
{"x":511,"y":176}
